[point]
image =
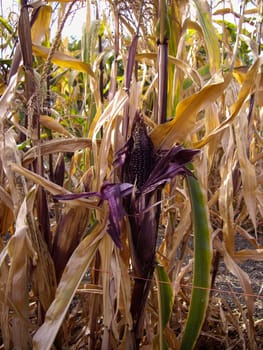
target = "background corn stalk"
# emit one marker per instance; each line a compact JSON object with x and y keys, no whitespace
{"x":64,"y":113}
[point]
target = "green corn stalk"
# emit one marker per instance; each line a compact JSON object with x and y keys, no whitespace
{"x":202,"y":266}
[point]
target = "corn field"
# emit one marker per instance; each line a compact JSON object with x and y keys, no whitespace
{"x":131,"y":175}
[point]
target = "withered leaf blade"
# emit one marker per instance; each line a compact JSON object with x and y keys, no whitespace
{"x":73,"y":221}
{"x":24,"y":31}
{"x":130,"y":63}
{"x":43,"y":214}
{"x":59,"y":172}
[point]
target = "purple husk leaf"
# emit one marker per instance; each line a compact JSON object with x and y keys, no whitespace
{"x":113,"y":193}
{"x":170,"y":163}
{"x":121,"y":155}
{"x":144,"y":208}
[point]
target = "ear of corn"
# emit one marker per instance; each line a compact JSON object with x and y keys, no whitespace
{"x":140,"y":154}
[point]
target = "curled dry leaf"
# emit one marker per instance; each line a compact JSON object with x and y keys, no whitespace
{"x":57,"y":145}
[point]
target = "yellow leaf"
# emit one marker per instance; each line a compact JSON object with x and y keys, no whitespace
{"x":63,"y":60}
{"x":211,"y":122}
{"x":240,"y":74}
{"x":41,"y":26}
{"x":50,"y":123}
{"x":182,"y":126}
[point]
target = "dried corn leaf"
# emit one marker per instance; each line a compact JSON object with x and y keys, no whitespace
{"x":179,"y":233}
{"x":10,"y":154}
{"x":51,"y":123}
{"x":41,"y":26}
{"x":42,"y":275}
{"x":248,"y":171}
{"x":110,"y":285}
{"x":125,"y":289}
{"x":24,"y":32}
{"x":223,"y":11}
{"x":246,"y":254}
{"x":52,"y":187}
{"x":246,"y":90}
{"x":7,"y":305}
{"x":226,"y":190}
{"x":73,"y":222}
{"x":106,"y":121}
{"x":6,"y":199}
{"x":117,"y":287}
{"x":5,"y":300}
{"x":244,"y":280}
{"x":56,"y":146}
{"x":112,"y":109}
{"x":77,"y":266}
{"x":7,"y":96}
{"x":183,"y":125}
{"x":259,"y":196}
{"x":183,"y":66}
{"x":63,"y":60}
{"x":6,"y":219}
{"x":19,"y":250}
{"x":211,"y":123}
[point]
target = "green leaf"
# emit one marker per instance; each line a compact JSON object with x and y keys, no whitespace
{"x":165,"y":301}
{"x":202,"y":266}
{"x":6,"y":25}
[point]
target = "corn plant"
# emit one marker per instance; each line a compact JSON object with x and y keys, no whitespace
{"x":130,"y":171}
